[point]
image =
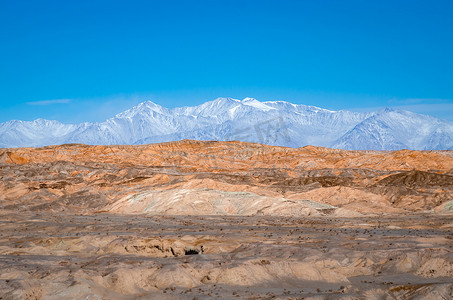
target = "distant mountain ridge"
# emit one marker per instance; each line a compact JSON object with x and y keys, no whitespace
{"x":276,"y":123}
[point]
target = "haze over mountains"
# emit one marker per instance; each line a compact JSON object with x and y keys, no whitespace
{"x":276,"y":123}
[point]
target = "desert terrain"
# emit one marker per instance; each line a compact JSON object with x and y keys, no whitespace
{"x":231,"y":220}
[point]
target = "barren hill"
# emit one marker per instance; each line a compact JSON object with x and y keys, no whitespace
{"x":203,"y":220}
{"x":205,"y":177}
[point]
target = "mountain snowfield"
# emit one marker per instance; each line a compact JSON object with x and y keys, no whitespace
{"x":276,"y":123}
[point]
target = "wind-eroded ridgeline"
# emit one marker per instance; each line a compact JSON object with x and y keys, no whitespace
{"x":187,"y":177}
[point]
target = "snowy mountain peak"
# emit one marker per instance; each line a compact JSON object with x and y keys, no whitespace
{"x":144,"y":108}
{"x":256,"y":104}
{"x":272,"y":122}
{"x":224,"y":100}
{"x":149,"y":105}
{"x":41,"y":121}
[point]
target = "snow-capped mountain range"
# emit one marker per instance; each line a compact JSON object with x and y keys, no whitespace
{"x":272,"y":122}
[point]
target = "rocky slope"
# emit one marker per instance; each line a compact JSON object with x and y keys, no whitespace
{"x":96,"y":177}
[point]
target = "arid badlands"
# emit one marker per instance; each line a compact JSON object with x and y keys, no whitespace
{"x":229,"y":220}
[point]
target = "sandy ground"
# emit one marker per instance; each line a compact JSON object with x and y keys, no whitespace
{"x":230,"y":220}
{"x":105,"y":256}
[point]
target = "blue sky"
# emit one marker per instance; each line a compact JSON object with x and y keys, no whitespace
{"x":87,"y":60}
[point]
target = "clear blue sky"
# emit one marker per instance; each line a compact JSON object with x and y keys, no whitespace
{"x":88,"y":60}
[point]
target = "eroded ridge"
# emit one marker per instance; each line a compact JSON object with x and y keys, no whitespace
{"x":224,"y":219}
